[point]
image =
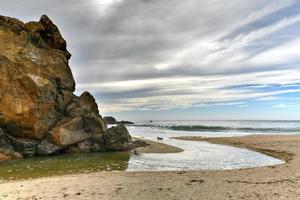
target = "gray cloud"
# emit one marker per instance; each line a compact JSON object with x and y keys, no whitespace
{"x":121,"y":40}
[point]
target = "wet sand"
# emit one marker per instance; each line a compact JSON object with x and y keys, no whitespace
{"x":157,"y":147}
{"x":249,"y":142}
{"x":274,"y":182}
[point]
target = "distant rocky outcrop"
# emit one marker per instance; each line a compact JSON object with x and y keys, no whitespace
{"x":125,"y":122}
{"x":39,"y":114}
{"x":112,"y":120}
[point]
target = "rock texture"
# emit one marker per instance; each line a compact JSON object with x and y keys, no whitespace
{"x":39,"y":114}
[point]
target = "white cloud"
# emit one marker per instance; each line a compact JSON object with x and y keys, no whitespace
{"x":184,"y":92}
{"x":104,"y":5}
{"x":157,"y":55}
{"x":279,"y":55}
{"x":228,"y":54}
{"x":282,"y":105}
{"x":270,"y":98}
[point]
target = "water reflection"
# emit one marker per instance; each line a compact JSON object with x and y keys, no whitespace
{"x":63,"y":164}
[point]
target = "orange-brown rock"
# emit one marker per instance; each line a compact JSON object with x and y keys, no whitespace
{"x":69,"y":133}
{"x":34,"y":72}
{"x":4,"y":157}
{"x":39,"y":113}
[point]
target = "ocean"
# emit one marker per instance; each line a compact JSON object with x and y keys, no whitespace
{"x":196,"y":155}
{"x":214,"y":128}
{"x":203,"y":155}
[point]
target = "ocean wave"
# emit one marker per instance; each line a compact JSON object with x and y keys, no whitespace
{"x":203,"y":128}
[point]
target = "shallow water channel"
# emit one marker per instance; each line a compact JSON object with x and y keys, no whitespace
{"x":196,"y":156}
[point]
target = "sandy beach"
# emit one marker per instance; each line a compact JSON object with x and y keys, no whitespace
{"x":149,"y":100}
{"x":274,"y":182}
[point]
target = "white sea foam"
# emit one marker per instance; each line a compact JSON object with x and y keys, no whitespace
{"x":203,"y":155}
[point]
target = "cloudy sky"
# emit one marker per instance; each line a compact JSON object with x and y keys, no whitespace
{"x":175,"y":59}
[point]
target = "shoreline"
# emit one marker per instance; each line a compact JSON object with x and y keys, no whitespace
{"x":156,"y":147}
{"x":236,"y":142}
{"x":271,"y":182}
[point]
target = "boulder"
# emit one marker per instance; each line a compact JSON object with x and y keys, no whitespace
{"x":93,"y":124}
{"x":94,"y":144}
{"x":110,"y":120}
{"x":117,"y":137}
{"x":69,"y":132}
{"x":9,"y":151}
{"x":47,"y":148}
{"x":81,"y":147}
{"x":86,"y":107}
{"x":26,"y":147}
{"x":82,"y":105}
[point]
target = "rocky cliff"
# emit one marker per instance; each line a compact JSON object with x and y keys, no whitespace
{"x":39,"y":114}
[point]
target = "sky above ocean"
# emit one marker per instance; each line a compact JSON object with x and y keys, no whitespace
{"x":174,"y":59}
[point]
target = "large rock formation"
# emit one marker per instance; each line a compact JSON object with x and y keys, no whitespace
{"x":39,"y":114}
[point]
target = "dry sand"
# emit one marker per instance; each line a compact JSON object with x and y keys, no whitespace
{"x":276,"y":182}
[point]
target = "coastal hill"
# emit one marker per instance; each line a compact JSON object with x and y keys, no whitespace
{"x":39,"y":114}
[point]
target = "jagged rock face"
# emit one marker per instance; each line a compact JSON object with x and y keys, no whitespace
{"x":34,"y":75}
{"x":39,"y":113}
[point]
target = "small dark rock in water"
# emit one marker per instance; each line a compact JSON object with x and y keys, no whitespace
{"x":197,"y":181}
{"x":135,"y":152}
{"x":110,"y":120}
{"x":125,"y":122}
{"x":160,"y":138}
